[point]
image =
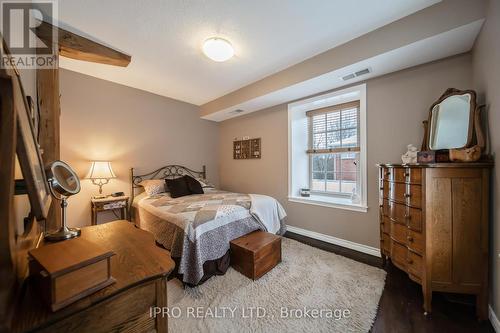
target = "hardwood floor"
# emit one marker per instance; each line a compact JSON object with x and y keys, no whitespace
{"x":400,"y":308}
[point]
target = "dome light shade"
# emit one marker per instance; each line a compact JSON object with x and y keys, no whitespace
{"x":218,"y":49}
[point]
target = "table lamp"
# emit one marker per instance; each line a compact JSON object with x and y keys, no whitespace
{"x":100,"y":173}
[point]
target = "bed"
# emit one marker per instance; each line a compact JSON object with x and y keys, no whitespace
{"x":197,"y":228}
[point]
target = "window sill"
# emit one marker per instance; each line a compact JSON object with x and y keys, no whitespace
{"x":332,"y":202}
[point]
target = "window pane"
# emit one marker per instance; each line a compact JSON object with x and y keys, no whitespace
{"x":319,"y":163}
{"x":350,"y":138}
{"x":318,"y":181}
{"x":319,"y":141}
{"x":333,"y":182}
{"x":350,"y":172}
{"x":350,"y":118}
{"x":333,"y":121}
{"x":331,"y":162}
{"x":333,"y":139}
{"x":319,"y":123}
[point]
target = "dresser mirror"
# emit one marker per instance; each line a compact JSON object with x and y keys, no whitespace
{"x":451,"y":120}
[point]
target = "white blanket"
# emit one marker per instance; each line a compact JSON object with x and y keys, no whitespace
{"x":268,"y":211}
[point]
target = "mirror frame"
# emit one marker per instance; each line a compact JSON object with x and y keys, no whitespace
{"x":473,"y":104}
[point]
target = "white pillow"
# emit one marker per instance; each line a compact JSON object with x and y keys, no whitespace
{"x":153,"y":186}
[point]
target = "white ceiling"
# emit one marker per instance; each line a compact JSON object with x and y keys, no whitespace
{"x":452,"y":42}
{"x":165,"y":37}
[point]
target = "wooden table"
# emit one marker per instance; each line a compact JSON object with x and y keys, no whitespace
{"x":109,"y":203}
{"x":140,"y":268}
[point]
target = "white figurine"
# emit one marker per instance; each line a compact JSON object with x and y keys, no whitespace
{"x":411,"y":155}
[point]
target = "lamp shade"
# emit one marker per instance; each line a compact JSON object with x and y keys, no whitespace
{"x":101,"y":170}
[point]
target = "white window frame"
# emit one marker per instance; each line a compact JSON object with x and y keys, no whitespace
{"x":295,"y":111}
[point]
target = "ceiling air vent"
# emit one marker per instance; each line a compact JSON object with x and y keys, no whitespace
{"x":356,"y":74}
{"x":236,"y":111}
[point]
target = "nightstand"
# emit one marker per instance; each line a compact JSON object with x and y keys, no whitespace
{"x":109,"y":203}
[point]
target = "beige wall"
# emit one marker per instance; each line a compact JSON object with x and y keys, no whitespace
{"x":486,"y":79}
{"x":102,"y":120}
{"x":396,"y":105}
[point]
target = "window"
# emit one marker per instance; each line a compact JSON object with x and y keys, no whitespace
{"x":327,"y":149}
{"x":334,"y":149}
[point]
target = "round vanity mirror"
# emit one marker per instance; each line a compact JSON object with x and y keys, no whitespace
{"x":63,"y":179}
{"x":63,"y":182}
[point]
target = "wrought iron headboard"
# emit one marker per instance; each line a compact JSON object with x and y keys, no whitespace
{"x":168,"y":171}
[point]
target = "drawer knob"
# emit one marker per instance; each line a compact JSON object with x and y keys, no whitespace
{"x":381,"y":188}
{"x":407,"y":217}
{"x":409,"y":261}
{"x":407,"y":174}
{"x":407,"y":195}
{"x":409,"y":238}
{"x":387,"y":173}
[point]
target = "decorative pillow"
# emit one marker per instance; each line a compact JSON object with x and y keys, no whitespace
{"x":194,"y":186}
{"x":153,"y":186}
{"x":178,"y":187}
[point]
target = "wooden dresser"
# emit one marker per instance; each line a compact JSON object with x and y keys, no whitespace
{"x":140,"y":268}
{"x":434,"y":226}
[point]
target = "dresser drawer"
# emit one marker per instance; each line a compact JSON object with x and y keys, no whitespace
{"x":399,"y":254}
{"x":414,"y":195}
{"x":399,"y":232}
{"x":397,"y":192}
{"x":386,"y":210}
{"x":414,"y":175}
{"x":414,"y":264}
{"x":398,"y":175}
{"x":386,"y":173}
{"x":397,"y":212}
{"x":385,"y":243}
{"x":414,"y":219}
{"x":415,"y":241}
{"x":385,"y":224}
{"x":385,"y":189}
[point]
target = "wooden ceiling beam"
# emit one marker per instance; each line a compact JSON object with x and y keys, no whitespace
{"x":77,"y":47}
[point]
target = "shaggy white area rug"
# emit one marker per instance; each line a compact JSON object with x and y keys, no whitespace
{"x":311,"y":290}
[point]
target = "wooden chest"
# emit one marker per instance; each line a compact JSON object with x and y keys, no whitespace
{"x":255,"y":254}
{"x":434,"y":226}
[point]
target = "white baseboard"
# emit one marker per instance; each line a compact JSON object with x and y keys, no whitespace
{"x":493,"y":319}
{"x":337,"y":241}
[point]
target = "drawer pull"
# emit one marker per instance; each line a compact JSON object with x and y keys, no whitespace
{"x":407,"y":195}
{"x":409,"y":261}
{"x":410,"y":239}
{"x":387,"y":173}
{"x":407,"y":217}
{"x":407,"y":174}
{"x":381,"y":188}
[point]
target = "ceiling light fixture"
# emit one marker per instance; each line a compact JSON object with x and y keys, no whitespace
{"x":218,"y":49}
